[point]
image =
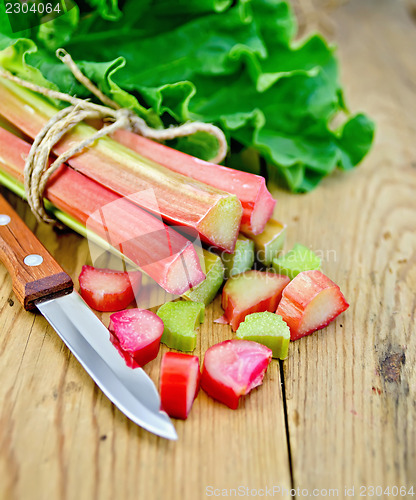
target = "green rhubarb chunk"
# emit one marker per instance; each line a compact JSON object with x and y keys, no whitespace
{"x":241,"y":260}
{"x":181,"y":319}
{"x":266,"y":328}
{"x":270,"y":242}
{"x":206,"y":291}
{"x":297,"y":260}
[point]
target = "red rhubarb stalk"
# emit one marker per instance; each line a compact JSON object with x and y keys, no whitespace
{"x":179,"y":383}
{"x":214,"y":214}
{"x":161,"y":252}
{"x":251,"y":190}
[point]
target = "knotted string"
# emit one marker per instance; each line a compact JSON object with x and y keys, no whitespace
{"x":38,"y":170}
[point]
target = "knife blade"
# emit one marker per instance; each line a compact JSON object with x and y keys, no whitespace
{"x":40,"y":283}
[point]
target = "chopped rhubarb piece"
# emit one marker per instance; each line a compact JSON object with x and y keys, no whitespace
{"x":181,"y":320}
{"x":165,"y":255}
{"x":268,"y":329}
{"x":270,"y":242}
{"x":136,"y":334}
{"x":233,"y":368}
{"x":297,"y":260}
{"x":206,"y":291}
{"x":310,"y":302}
{"x":200,"y":208}
{"x":242,"y":259}
{"x":107,"y":290}
{"x":251,"y":190}
{"x":179,"y":383}
{"x":250,"y":292}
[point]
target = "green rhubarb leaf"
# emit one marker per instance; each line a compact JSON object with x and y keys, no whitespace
{"x":101,"y":73}
{"x":6,"y":28}
{"x":242,"y":259}
{"x":299,"y":259}
{"x":206,"y":291}
{"x":181,"y":320}
{"x":201,"y":144}
{"x":207,"y":45}
{"x":108,"y":9}
{"x":23,"y":58}
{"x":266,"y":328}
{"x":236,"y":64}
{"x":248,"y":160}
{"x":14,"y":54}
{"x":58,"y":31}
{"x":183,"y":7}
{"x":355,"y":134}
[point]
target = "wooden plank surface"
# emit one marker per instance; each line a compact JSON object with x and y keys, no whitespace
{"x":349,"y":390}
{"x":60,"y":437}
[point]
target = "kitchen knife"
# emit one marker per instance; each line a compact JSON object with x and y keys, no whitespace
{"x":39,"y":282}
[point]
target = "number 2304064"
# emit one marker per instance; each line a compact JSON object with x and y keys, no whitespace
{"x":34,"y":8}
{"x":389,"y":491}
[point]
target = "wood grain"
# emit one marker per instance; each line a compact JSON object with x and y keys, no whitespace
{"x":349,"y":391}
{"x":60,"y":435}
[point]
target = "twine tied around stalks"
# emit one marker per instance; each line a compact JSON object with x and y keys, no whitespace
{"x":37,"y":169}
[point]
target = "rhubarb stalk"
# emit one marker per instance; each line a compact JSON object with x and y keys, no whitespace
{"x":214,"y":214}
{"x":165,"y":255}
{"x":251,"y":190}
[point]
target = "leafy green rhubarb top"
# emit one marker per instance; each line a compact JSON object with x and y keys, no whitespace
{"x":236,"y":64}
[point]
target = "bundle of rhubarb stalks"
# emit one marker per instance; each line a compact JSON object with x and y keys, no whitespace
{"x":133,"y":194}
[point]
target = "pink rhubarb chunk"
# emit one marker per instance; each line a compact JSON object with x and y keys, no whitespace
{"x":136,"y":334}
{"x":233,"y":368}
{"x":250,"y":292}
{"x":107,"y":290}
{"x":310,"y":302}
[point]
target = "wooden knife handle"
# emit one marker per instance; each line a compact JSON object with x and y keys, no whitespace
{"x":35,"y":273}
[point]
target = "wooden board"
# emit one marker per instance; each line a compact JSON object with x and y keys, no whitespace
{"x":345,"y":414}
{"x":351,"y":392}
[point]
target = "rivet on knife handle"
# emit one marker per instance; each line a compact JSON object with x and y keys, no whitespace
{"x":35,"y":273}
